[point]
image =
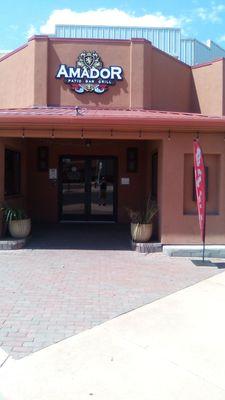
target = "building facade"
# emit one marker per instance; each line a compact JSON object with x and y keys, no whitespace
{"x":170,"y":40}
{"x":88,"y":128}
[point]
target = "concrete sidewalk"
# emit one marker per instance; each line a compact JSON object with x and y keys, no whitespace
{"x":173,"y":348}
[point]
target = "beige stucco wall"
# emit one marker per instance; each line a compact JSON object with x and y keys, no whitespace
{"x":29,"y":75}
{"x":208,"y":88}
{"x":171,"y":83}
{"x":178,"y":227}
{"x":67,"y":53}
{"x":175,"y":224}
{"x":17,"y":78}
{"x":40,"y":71}
{"x":152,"y":79}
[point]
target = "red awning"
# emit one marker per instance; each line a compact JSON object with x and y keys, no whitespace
{"x":73,"y":117}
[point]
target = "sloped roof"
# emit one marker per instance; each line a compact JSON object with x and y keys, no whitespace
{"x":72,"y":117}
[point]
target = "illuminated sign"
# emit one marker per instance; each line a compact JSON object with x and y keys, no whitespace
{"x":89,"y":74}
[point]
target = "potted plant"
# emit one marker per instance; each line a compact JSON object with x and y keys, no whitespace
{"x":141,"y":221}
{"x":17,"y":221}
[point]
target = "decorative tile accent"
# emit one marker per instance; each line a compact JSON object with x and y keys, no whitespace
{"x":12,"y":244}
{"x":148,"y":247}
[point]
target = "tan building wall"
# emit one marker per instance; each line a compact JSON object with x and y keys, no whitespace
{"x":152,"y":79}
{"x":171,"y":83}
{"x":17,"y":78}
{"x":144,"y":76}
{"x":43,"y":195}
{"x":178,"y":213}
{"x":29,"y":76}
{"x":177,"y":221}
{"x":209,"y":88}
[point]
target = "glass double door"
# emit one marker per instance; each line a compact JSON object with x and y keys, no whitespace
{"x":87,"y":188}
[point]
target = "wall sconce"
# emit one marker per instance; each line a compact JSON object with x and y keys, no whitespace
{"x":197,"y":136}
{"x":88,"y":143}
{"x":43,"y":158}
{"x":132,"y":159}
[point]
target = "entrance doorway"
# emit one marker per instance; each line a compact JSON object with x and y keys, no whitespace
{"x":87,"y":189}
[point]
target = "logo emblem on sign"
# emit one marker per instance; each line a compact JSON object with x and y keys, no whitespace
{"x":89,"y":74}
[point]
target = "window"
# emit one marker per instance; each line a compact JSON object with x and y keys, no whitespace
{"x":12,"y":172}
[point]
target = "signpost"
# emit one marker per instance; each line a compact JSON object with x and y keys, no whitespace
{"x":200,"y":186}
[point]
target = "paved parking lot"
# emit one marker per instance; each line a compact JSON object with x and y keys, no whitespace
{"x":60,"y":286}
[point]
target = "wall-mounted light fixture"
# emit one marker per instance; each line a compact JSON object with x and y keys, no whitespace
{"x":43,"y":158}
{"x":132,"y":159}
{"x":79,"y":111}
{"x":87,"y":143}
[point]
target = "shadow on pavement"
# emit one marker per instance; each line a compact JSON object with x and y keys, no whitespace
{"x":82,"y":236}
{"x":208,"y":263}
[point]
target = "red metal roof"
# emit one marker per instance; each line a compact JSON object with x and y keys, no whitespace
{"x":81,"y":116}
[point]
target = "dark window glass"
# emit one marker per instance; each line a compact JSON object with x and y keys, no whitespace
{"x":12,"y":172}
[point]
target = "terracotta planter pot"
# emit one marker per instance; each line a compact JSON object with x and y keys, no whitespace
{"x":141,"y":232}
{"x":20,"y":228}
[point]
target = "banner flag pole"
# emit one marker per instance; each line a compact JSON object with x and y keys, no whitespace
{"x":200,"y":187}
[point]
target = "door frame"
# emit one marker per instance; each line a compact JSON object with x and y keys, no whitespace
{"x":88,"y":217}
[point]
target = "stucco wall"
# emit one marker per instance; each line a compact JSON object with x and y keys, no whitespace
{"x":17,"y":78}
{"x":177,"y":218}
{"x":179,"y":227}
{"x":209,"y":88}
{"x":113,"y":53}
{"x":152,"y":79}
{"x":170,"y":84}
{"x":148,"y":73}
{"x":43,"y":194}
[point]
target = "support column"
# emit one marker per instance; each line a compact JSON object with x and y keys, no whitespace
{"x":140,"y":73}
{"x":40,"y":49}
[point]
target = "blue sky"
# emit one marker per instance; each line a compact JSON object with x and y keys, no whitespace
{"x":200,"y":19}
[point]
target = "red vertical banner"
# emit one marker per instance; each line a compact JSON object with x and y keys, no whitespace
{"x":200,"y":187}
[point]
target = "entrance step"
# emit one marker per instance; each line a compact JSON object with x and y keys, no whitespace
{"x":211,"y":251}
{"x":12,"y":244}
{"x":148,"y":247}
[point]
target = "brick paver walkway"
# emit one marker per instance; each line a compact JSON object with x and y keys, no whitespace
{"x":48,"y":294}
